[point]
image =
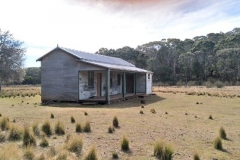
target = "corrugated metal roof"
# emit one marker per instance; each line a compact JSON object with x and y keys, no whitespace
{"x":100,"y":60}
{"x":117,"y":67}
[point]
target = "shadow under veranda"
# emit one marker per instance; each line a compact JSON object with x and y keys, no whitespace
{"x":130,"y":103}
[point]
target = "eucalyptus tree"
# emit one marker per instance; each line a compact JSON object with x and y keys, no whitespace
{"x":11,"y":59}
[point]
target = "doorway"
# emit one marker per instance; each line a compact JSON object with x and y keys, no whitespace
{"x":129,"y":83}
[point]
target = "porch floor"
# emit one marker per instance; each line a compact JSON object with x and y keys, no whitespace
{"x":113,"y":98}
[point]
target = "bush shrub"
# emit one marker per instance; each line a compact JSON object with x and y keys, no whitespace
{"x":46,"y":128}
{"x":4,"y":123}
{"x":125,"y":144}
{"x":15,"y":134}
{"x":208,"y":84}
{"x":87,"y":127}
{"x":91,"y":155}
{"x":222,"y":133}
{"x":115,"y":122}
{"x":85,"y":113}
{"x":162,"y":151}
{"x":141,"y":112}
{"x":72,"y":119}
{"x":219,"y":84}
{"x":111,"y":129}
{"x":28,"y":138}
{"x":75,"y":145}
{"x":217,"y":143}
{"x":78,"y":128}
{"x":59,"y":128}
{"x":196,"y":156}
{"x":28,"y":154}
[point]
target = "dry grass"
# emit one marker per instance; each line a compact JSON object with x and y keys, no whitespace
{"x":186,"y":134}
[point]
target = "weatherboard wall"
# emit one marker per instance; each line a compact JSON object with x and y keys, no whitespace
{"x":59,"y":76}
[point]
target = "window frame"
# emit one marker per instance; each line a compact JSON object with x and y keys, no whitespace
{"x":90,"y":79}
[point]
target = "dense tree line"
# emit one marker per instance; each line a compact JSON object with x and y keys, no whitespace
{"x":33,"y":76}
{"x":215,"y":56}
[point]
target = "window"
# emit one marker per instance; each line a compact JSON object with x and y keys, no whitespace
{"x":148,"y":76}
{"x":111,"y":80}
{"x":119,"y":79}
{"x":90,"y":78}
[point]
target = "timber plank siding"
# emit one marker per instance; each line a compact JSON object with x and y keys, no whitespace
{"x":59,"y":76}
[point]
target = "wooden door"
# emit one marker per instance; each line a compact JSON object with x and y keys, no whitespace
{"x":129,"y":83}
{"x":99,"y":84}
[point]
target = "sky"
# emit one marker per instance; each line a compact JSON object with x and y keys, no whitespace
{"x":88,"y":25}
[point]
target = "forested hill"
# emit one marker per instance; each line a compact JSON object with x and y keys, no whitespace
{"x":215,"y":56}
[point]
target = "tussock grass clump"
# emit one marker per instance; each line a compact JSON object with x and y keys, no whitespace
{"x":91,"y":155}
{"x":115,"y":122}
{"x":125,"y":144}
{"x":41,"y":157}
{"x":87,"y":127}
{"x":28,"y":154}
{"x":2,"y":137}
{"x":85,"y":113}
{"x":0,"y":114}
{"x":52,"y":116}
{"x":46,"y":128}
{"x":196,"y":156}
{"x":15,"y":134}
{"x":4,"y":124}
{"x":62,"y":156}
{"x":217,"y":143}
{"x":44,"y":142}
{"x":111,"y":129}
{"x":35,"y":129}
{"x":222,"y":133}
{"x":59,"y":128}
{"x":72,"y":119}
{"x":152,"y":111}
{"x":52,"y":151}
{"x":75,"y":145}
{"x":141,"y":112}
{"x":28,"y":138}
{"x":162,"y":151}
{"x":78,"y":128}
{"x":210,"y":117}
{"x":115,"y":155}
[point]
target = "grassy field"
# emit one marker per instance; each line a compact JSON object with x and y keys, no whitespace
{"x":181,"y":120}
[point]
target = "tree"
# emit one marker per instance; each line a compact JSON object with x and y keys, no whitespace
{"x":11,"y":59}
{"x":33,"y":76}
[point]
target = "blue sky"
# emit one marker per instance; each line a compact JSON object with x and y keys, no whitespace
{"x":92,"y":24}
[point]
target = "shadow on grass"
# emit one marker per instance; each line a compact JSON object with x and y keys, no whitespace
{"x":134,"y":102}
{"x":224,"y":150}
